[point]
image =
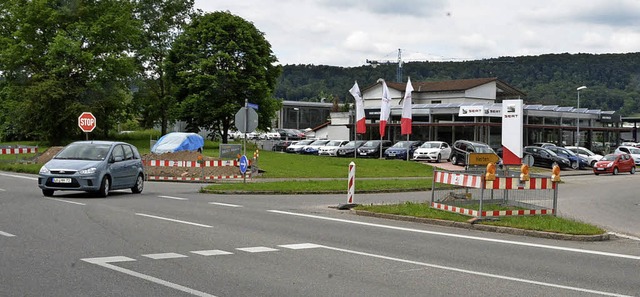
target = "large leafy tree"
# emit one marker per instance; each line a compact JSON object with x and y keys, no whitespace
{"x":59,"y":58}
{"x":218,"y":62}
{"x":162,"y":22}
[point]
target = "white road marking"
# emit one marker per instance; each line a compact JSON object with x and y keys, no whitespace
{"x":19,"y":176}
{"x":212,"y":252}
{"x":257,"y":249}
{"x":164,"y":256}
{"x":6,"y":234}
{"x":225,"y":204}
{"x":174,"y":198}
{"x":300,"y":246}
{"x":502,"y":277}
{"x":625,"y":236}
{"x":173,"y":220}
{"x":104,"y":262}
{"x":566,"y":249}
{"x":67,"y":201}
{"x":3,"y":190}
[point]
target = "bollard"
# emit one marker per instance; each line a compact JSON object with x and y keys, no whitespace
{"x":351,"y":184}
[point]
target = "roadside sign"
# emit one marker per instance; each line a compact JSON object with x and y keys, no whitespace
{"x":244,"y":163}
{"x":483,"y":158}
{"x":246,"y":120}
{"x":87,"y":122}
{"x":252,"y":105}
{"x":528,"y":159}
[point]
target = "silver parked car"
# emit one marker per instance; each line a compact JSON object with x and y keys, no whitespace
{"x":93,"y":166}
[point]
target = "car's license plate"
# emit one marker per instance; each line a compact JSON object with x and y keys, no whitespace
{"x":600,"y":169}
{"x":62,"y":180}
{"x":363,"y":154}
{"x":392,"y":154}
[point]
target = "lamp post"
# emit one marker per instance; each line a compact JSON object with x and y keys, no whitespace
{"x":578,"y":117}
{"x":297,"y":117}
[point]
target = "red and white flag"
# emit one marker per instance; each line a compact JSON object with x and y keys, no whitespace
{"x":405,"y":121}
{"x":361,"y":127}
{"x":385,"y":107}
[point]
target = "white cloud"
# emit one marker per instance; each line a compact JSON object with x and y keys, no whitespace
{"x":347,"y":32}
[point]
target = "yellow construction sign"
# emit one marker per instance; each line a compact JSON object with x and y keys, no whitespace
{"x":483,"y":158}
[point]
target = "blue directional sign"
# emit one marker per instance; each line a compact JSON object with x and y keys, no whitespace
{"x":252,"y":105}
{"x":244,"y":163}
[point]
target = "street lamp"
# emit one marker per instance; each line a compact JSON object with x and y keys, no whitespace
{"x":578,"y":117}
{"x":297,"y":117}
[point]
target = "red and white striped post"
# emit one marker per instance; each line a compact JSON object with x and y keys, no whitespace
{"x":350,"y":188}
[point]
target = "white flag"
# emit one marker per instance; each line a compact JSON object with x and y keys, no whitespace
{"x":405,"y":121}
{"x":361,"y":127}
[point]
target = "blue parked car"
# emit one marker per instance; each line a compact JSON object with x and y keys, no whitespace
{"x":93,"y":166}
{"x":577,"y":162}
{"x":399,"y":149}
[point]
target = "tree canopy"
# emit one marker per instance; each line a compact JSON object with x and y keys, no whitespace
{"x":59,"y":58}
{"x":218,"y":62}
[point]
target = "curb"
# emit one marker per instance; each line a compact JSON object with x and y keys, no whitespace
{"x":490,"y":228}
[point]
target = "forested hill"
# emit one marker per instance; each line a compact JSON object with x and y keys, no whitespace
{"x":612,"y":80}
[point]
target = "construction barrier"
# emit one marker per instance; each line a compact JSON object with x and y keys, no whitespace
{"x":194,"y":164}
{"x":471,"y":194}
{"x":19,"y":150}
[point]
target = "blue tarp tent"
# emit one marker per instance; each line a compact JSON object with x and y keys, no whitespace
{"x":178,"y":141}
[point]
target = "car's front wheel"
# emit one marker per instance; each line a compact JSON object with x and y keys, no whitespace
{"x":615,"y":170}
{"x":454,"y":160}
{"x":105,"y":186}
{"x":47,"y":192}
{"x":439,"y":159}
{"x":139,"y":186}
{"x":633,"y":170}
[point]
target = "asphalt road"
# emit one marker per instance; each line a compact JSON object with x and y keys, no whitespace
{"x":172,"y":241}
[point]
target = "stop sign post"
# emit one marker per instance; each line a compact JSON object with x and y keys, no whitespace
{"x":87,"y":122}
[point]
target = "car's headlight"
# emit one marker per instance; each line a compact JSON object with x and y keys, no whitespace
{"x":91,"y":170}
{"x":610,"y":165}
{"x":44,"y":170}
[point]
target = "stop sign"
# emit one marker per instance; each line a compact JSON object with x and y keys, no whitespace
{"x":87,"y":122}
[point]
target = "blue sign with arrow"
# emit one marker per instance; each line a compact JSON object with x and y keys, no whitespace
{"x":244,"y":163}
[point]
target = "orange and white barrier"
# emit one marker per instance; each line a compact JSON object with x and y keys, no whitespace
{"x":194,"y":164}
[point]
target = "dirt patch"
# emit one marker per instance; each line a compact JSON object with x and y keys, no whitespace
{"x":188,"y":172}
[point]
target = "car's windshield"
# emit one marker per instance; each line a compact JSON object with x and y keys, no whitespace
{"x":634,"y":151}
{"x":334,"y":143}
{"x":319,"y":142}
{"x":304,"y":142}
{"x":352,"y":143}
{"x":402,"y":144}
{"x":609,"y":157}
{"x":84,"y":151}
{"x":430,"y":145}
{"x":567,"y":152}
{"x":484,"y":150}
{"x":371,"y":144}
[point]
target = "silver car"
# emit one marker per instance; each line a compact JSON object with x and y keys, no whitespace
{"x":93,"y":166}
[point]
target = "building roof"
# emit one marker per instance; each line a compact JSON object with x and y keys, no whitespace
{"x":504,"y":89}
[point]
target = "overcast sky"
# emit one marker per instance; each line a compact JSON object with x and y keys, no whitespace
{"x":348,"y":32}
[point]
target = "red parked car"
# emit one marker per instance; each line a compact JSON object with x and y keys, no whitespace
{"x":615,"y":163}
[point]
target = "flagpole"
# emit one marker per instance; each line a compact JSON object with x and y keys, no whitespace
{"x":409,"y":148}
{"x":355,"y":130}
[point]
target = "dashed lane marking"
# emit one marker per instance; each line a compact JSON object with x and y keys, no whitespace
{"x":6,"y":234}
{"x":173,"y":220}
{"x":162,"y":256}
{"x":257,"y":249}
{"x":225,"y":204}
{"x":212,"y":252}
{"x":174,"y":198}
{"x":66,"y":201}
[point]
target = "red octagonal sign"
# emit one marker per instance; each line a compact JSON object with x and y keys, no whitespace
{"x":87,"y":122}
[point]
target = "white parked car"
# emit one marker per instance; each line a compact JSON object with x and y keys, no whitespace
{"x":585,"y":153}
{"x":631,"y":150}
{"x":297,"y":148}
{"x":331,"y":148}
{"x":436,"y":151}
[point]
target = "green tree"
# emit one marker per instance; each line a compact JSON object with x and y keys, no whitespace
{"x":162,"y":21}
{"x":59,"y":58}
{"x":219,"y":61}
